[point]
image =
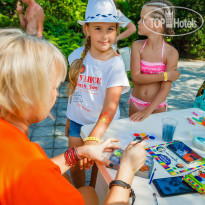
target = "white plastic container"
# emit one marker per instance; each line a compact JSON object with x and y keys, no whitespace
{"x":199,"y":142}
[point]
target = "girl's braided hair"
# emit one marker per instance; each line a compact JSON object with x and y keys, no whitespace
{"x":76,"y":67}
{"x":166,"y":7}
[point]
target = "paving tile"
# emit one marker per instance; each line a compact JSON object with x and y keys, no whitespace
{"x":60,"y":130}
{"x":47,"y":122}
{"x":62,"y":106}
{"x":63,"y":91}
{"x":58,"y":151}
{"x":64,"y":88}
{"x":47,"y":131}
{"x":61,"y":142}
{"x":56,"y":103}
{"x":61,"y":113}
{"x":123,"y":100}
{"x":123,"y":113}
{"x":88,"y":175}
{"x":127,"y":110}
{"x":61,"y":121}
{"x":53,"y":113}
{"x":44,"y":142}
{"x":48,"y":152}
{"x":62,"y":100}
{"x":32,"y":126}
{"x":123,"y":105}
{"x":62,"y":95}
{"x":31,"y":129}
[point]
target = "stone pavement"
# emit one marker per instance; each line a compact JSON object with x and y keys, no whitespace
{"x":49,"y":134}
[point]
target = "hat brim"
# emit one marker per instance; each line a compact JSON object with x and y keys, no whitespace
{"x":99,"y":20}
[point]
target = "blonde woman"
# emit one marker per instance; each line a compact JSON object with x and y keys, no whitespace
{"x":31,"y":69}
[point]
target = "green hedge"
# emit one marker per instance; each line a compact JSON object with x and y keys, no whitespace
{"x":62,"y":29}
{"x":189,"y":46}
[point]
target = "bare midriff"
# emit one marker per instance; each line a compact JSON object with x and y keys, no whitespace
{"x":147,"y":92}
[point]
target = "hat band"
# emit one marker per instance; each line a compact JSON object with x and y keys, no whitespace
{"x":101,"y":16}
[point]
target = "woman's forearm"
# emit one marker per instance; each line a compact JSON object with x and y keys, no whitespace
{"x":120,"y":195}
{"x":61,"y":162}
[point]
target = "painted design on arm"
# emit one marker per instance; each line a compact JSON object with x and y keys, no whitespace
{"x":105,"y":117}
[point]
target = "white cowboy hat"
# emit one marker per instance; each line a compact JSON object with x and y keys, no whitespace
{"x":100,"y":11}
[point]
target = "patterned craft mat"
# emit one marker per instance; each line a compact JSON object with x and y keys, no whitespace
{"x":196,"y":180}
{"x":171,"y":162}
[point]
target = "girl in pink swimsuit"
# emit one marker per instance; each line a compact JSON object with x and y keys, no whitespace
{"x":153,"y":62}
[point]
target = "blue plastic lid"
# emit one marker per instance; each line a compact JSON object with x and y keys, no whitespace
{"x":199,"y":142}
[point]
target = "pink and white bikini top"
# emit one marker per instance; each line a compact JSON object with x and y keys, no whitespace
{"x":152,"y":68}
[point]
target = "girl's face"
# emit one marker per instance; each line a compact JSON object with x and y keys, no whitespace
{"x":102,"y":35}
{"x":150,"y":23}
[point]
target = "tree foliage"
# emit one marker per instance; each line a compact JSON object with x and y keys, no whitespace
{"x":189,"y":46}
{"x":62,"y":29}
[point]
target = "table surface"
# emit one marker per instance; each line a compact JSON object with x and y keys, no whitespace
{"x":153,"y":124}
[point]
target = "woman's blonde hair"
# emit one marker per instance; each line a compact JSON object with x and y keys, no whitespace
{"x":77,"y":65}
{"x":166,"y":7}
{"x":27,"y":65}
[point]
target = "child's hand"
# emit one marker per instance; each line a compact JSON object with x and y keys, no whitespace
{"x":173,"y":74}
{"x":67,"y":127}
{"x":86,"y":163}
{"x":140,"y":115}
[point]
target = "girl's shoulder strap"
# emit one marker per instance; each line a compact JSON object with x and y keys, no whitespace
{"x":143,"y":46}
{"x":162,"y":50}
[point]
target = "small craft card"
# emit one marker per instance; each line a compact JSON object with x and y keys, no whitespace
{"x":171,"y":162}
{"x":196,"y":180}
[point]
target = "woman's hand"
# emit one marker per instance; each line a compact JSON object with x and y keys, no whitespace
{"x":96,"y":151}
{"x":86,"y":163}
{"x":140,"y":115}
{"x":67,"y":127}
{"x":133,"y":157}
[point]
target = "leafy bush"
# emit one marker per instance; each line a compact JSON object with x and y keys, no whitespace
{"x":189,"y":46}
{"x":60,"y":25}
{"x":62,"y":29}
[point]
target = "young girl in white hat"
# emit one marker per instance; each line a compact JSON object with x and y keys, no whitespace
{"x":97,"y":79}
